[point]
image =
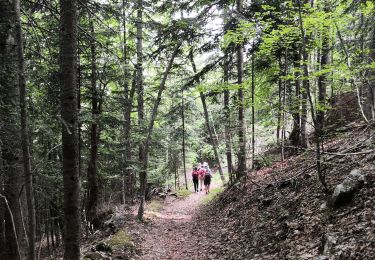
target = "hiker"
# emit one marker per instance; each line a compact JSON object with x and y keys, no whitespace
{"x":207,"y":179}
{"x":195,"y":174}
{"x":201,"y":173}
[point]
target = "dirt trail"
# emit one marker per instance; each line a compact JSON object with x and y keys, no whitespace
{"x":169,"y":235}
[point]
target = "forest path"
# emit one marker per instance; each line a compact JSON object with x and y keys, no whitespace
{"x":170,"y":233}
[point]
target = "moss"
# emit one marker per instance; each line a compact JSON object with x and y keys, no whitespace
{"x":183,"y":193}
{"x":121,"y":240}
{"x":212,"y":195}
{"x":154,"y":206}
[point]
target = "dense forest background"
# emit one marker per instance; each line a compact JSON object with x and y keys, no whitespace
{"x":103,"y":102}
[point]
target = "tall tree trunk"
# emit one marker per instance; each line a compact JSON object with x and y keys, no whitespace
{"x":253,"y":109}
{"x":295,"y":135}
{"x":92,"y":170}
{"x":227,"y":132}
{"x":128,"y":97}
{"x":147,"y":141}
{"x":25,"y":137}
{"x":10,"y":132}
{"x":283,"y":128}
{"x":69,"y":116}
{"x":371,"y":82}
{"x":142,"y":152}
{"x":207,"y":120}
{"x":320,"y":110}
{"x":183,"y":137}
{"x":228,"y":142}
{"x":241,"y":170}
{"x":306,"y":86}
{"x":279,"y":101}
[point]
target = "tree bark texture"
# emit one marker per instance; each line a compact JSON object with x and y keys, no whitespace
{"x":183,"y":136}
{"x":92,"y":170}
{"x":140,"y":89}
{"x":241,"y":169}
{"x":128,"y":103}
{"x":253,"y":109}
{"x":25,"y":138}
{"x":69,"y":117}
{"x":10,"y":130}
{"x":295,"y":135}
{"x":228,"y":141}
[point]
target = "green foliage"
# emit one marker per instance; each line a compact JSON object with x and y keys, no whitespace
{"x":212,"y":195}
{"x":121,"y":241}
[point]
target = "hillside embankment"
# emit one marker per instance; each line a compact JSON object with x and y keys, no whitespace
{"x":281,"y":212}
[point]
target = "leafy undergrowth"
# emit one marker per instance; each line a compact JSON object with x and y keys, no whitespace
{"x":281,"y":212}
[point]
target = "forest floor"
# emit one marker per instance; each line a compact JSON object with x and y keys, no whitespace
{"x":277,"y":212}
{"x":170,"y":233}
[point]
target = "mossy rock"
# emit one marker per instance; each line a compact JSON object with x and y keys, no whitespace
{"x":121,"y":241}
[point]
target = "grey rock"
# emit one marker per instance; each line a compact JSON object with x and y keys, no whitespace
{"x":117,"y":220}
{"x":162,"y":195}
{"x":345,"y":191}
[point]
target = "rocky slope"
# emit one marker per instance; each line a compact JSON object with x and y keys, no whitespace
{"x":281,"y":212}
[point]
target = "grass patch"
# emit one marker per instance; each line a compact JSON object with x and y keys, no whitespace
{"x":121,"y":240}
{"x":155,"y":206}
{"x":183,"y":193}
{"x":212,"y":195}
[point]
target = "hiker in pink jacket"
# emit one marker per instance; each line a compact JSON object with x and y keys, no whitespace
{"x":201,"y":173}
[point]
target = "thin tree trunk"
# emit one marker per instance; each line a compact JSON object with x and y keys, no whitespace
{"x":322,"y":83}
{"x":147,"y":142}
{"x":253,"y":109}
{"x":142,"y":153}
{"x":279,"y":103}
{"x":306,"y":85}
{"x":69,"y":116}
{"x":241,"y":170}
{"x":25,"y":137}
{"x":283,"y":128}
{"x":207,"y":120}
{"x":295,"y":135}
{"x":128,"y":97}
{"x":228,"y":141}
{"x":10,"y":134}
{"x":92,"y":179}
{"x":183,"y":137}
{"x":371,"y":83}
